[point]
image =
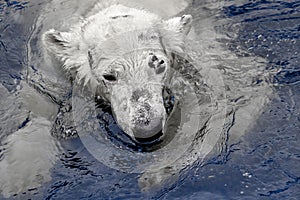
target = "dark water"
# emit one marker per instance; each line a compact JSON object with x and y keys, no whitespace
{"x":262,"y":164}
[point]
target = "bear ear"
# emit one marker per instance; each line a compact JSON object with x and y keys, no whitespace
{"x":56,"y":42}
{"x":181,"y":24}
{"x":174,"y":31}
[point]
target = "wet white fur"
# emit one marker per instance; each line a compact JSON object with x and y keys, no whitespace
{"x":74,"y":45}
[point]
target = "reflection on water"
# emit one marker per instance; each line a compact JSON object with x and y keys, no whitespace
{"x":239,"y":54}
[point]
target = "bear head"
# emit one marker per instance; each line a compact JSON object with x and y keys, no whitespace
{"x":129,"y":69}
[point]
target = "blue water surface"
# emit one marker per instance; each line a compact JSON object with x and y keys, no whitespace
{"x":263,"y":164}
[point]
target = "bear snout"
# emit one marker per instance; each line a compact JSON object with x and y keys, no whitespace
{"x":150,"y":128}
{"x":147,"y":121}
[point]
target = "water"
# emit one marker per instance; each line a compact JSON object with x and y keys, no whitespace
{"x":254,"y":45}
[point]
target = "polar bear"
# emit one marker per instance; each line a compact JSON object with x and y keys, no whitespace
{"x":123,"y":54}
{"x":93,"y":53}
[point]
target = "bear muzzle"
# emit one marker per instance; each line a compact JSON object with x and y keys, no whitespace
{"x":147,"y":120}
{"x":148,"y":130}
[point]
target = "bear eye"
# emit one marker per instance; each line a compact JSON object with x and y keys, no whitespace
{"x":109,"y":77}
